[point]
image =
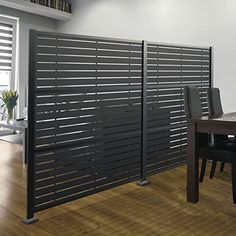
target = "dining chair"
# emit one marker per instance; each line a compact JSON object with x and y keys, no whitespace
{"x":215,"y":109}
{"x":214,"y":102}
{"x":216,"y":151}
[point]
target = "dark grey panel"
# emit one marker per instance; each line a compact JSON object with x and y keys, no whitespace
{"x":107,"y":112}
{"x":169,"y":69}
{"x":87,"y":116}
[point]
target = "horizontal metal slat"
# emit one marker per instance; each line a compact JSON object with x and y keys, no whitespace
{"x":179,"y":50}
{"x":89,"y":81}
{"x":60,"y":36}
{"x":62,"y":98}
{"x":176,"y":62}
{"x":90,"y":44}
{"x":178,"y":73}
{"x":94,"y":66}
{"x":45,"y":124}
{"x":86,"y":112}
{"x":79,"y":105}
{"x":83,"y":59}
{"x":87,"y":51}
{"x":176,"y":67}
{"x":176,"y":56}
{"x":88,"y":89}
{"x":71,"y":74}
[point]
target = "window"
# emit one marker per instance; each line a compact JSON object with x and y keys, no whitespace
{"x":8,"y":39}
{"x":7,"y":53}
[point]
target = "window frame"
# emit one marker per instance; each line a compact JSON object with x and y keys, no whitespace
{"x":14,"y":74}
{"x":14,"y":63}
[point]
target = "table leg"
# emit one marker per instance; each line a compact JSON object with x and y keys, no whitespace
{"x":192,"y":164}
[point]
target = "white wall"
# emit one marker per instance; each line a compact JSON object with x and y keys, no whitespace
{"x":26,"y":22}
{"x":194,"y":22}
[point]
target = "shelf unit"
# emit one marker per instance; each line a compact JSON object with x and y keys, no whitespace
{"x":37,"y":9}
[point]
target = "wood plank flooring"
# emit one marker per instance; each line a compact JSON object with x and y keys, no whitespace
{"x":157,"y":209}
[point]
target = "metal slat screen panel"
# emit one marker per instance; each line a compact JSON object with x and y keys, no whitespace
{"x":87,"y":119}
{"x":104,"y":112}
{"x":169,"y":69}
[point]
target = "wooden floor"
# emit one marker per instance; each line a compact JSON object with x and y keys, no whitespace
{"x":157,"y":209}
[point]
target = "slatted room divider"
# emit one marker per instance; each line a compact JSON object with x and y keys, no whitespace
{"x":169,"y":69}
{"x":104,"y":112}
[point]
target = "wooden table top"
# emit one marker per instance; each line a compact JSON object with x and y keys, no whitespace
{"x":227,"y":118}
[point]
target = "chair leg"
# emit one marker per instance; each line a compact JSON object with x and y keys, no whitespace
{"x":213,"y":169}
{"x":203,"y":169}
{"x":233,"y":174}
{"x":222,"y":166}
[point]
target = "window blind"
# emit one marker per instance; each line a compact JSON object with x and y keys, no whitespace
{"x":6,"y":37}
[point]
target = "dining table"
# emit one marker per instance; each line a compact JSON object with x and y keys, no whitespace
{"x":22,"y":126}
{"x":224,"y":124}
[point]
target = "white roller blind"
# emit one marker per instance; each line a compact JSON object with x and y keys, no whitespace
{"x":6,"y":34}
{"x":7,"y":57}
{"x":6,"y":54}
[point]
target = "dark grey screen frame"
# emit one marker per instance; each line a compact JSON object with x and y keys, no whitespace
{"x":138,"y":84}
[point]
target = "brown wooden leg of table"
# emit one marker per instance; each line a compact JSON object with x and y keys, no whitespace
{"x":192,"y":164}
{"x":233,"y":174}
